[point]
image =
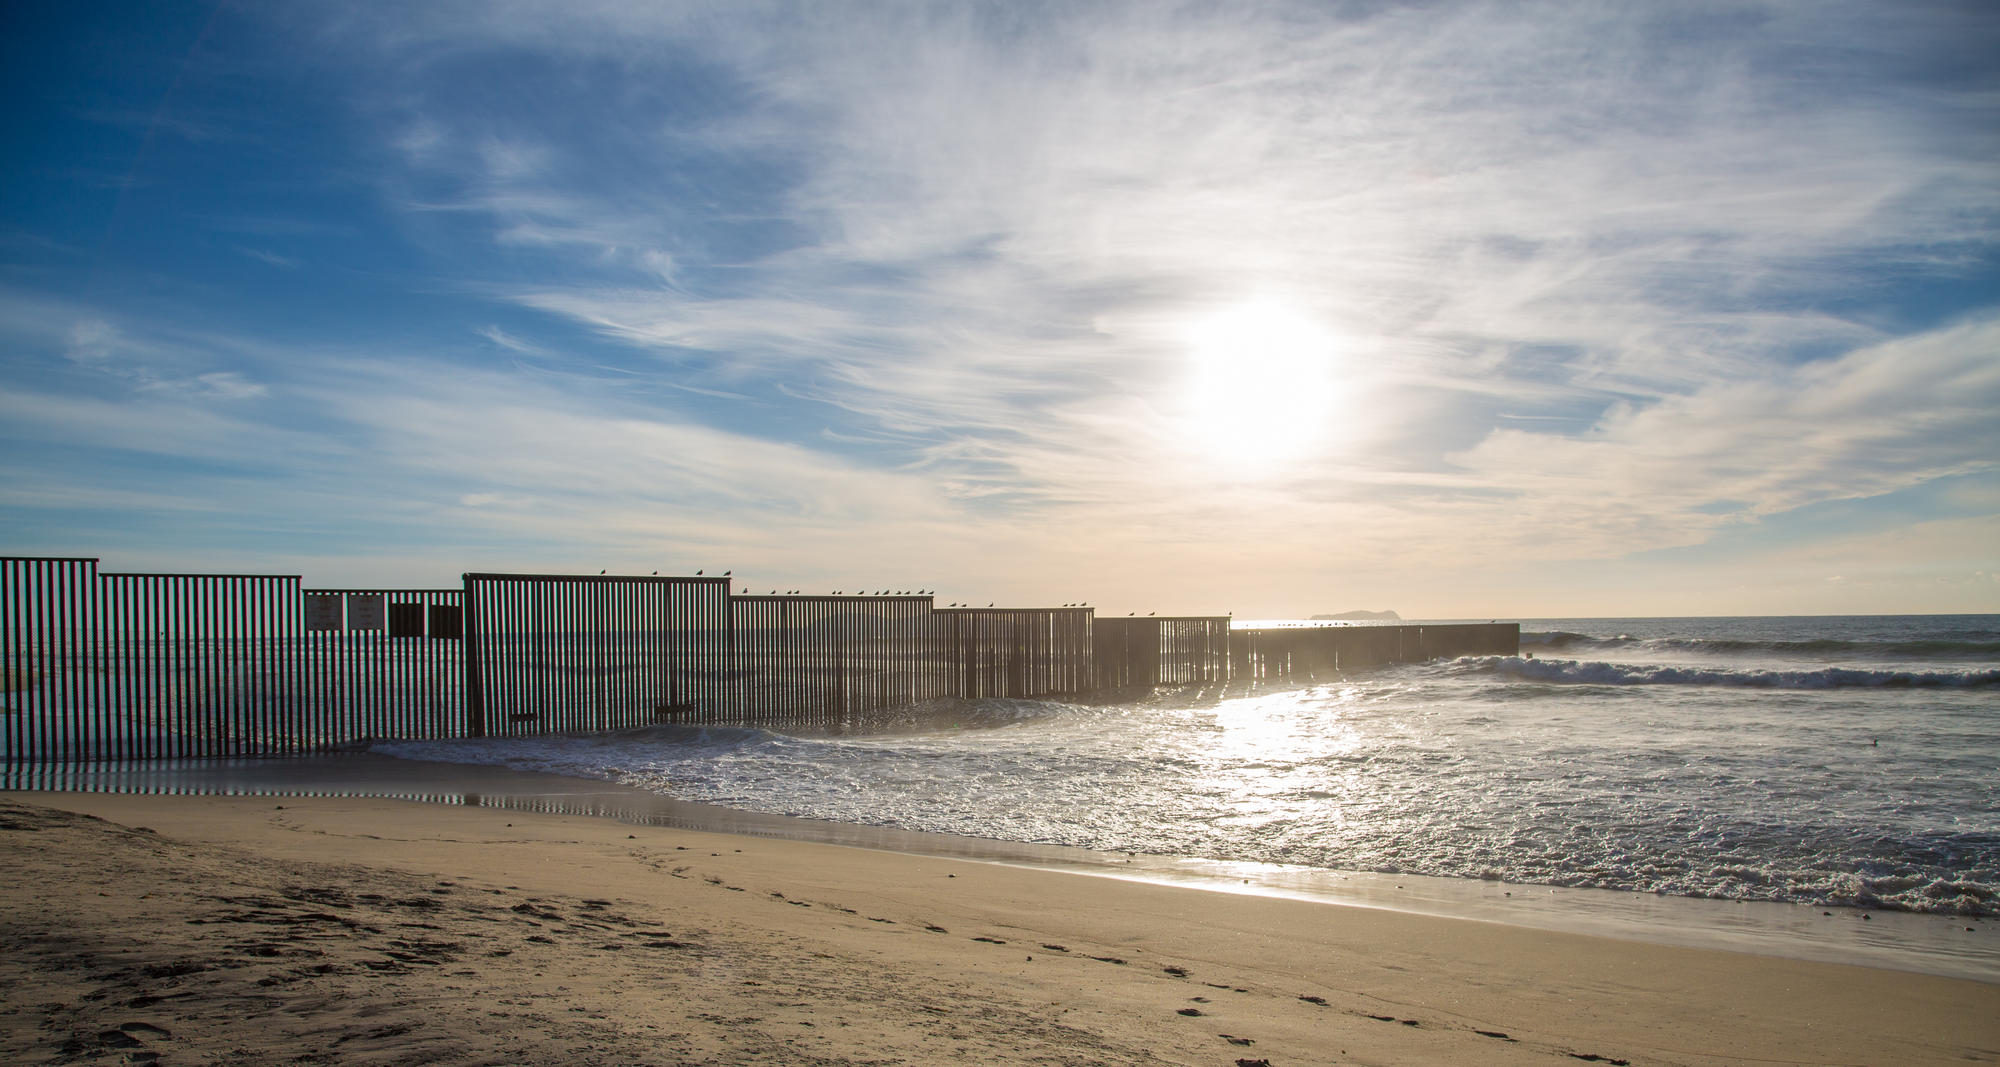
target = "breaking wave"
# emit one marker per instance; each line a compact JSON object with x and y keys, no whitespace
{"x":1816,"y":649}
{"x":1596,"y":672}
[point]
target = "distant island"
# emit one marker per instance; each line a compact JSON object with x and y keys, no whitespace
{"x":1354,"y":616}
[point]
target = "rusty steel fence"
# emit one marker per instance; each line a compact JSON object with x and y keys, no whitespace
{"x":548,"y":652}
{"x":836,"y":660}
{"x":1138,"y":653}
{"x":828,"y":661}
{"x":103,"y":666}
{"x":1021,"y":653}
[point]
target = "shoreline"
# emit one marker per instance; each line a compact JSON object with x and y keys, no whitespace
{"x":1934,"y":944}
{"x":369,"y":930}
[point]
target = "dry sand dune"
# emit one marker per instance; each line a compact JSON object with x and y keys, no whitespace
{"x":252,"y":930}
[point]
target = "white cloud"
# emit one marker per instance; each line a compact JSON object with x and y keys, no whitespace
{"x":270,"y":258}
{"x":510,"y":342}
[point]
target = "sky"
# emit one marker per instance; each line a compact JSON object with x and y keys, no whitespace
{"x":1461,"y":310}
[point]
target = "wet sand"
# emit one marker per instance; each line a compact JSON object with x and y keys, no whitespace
{"x":263,"y":930}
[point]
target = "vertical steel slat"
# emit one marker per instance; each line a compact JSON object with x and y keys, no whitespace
{"x":394,"y":695}
{"x":565,"y":601}
{"x":198,"y":652}
{"x":139,"y":667}
{"x":542,"y":609}
{"x":527,"y":653}
{"x":578,"y":676}
{"x":239,"y":658}
{"x":348,"y":654}
{"x":232,"y":654}
{"x":233,"y":658}
{"x":91,"y":687}
{"x":49,"y":642}
{"x":78,"y":673}
{"x":172,"y":714}
{"x":173,"y":622}
{"x":472,"y":661}
{"x":17,"y":666}
{"x":47,"y":709}
{"x":203,"y":681}
{"x":52,"y":658}
{"x":270,"y":733}
{"x":122,"y":698}
{"x":51,"y":705}
{"x":409,"y":667}
{"x":559,"y":654}
{"x":153,"y":648}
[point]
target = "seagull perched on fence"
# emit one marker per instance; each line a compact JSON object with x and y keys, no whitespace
{"x":697,"y":572}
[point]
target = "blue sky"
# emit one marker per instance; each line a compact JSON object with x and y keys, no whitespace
{"x":1459,"y":309}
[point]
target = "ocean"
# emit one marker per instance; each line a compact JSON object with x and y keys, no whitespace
{"x":1833,"y":761}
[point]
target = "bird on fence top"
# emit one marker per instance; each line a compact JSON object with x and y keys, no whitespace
{"x":726,"y":574}
{"x":697,"y":572}
{"x":600,"y":572}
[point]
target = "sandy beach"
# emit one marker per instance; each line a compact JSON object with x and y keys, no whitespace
{"x":313,"y":930}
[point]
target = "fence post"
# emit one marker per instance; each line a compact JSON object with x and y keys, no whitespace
{"x":470,"y":660}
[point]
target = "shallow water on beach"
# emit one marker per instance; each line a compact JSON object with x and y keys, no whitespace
{"x":1825,"y":761}
{"x":1946,"y":945}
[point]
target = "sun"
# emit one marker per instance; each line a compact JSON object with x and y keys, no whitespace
{"x":1261,"y":388}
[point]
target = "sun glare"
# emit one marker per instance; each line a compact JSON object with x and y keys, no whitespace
{"x":1261,"y":388}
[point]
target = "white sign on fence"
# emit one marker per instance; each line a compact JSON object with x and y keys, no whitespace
{"x":322,"y":612}
{"x":365,"y":611}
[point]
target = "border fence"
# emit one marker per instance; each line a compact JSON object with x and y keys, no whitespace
{"x":98,"y":665}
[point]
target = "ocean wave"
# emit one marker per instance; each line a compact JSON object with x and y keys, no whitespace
{"x":1595,"y":672}
{"x":975,"y":713}
{"x":1724,"y":647}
